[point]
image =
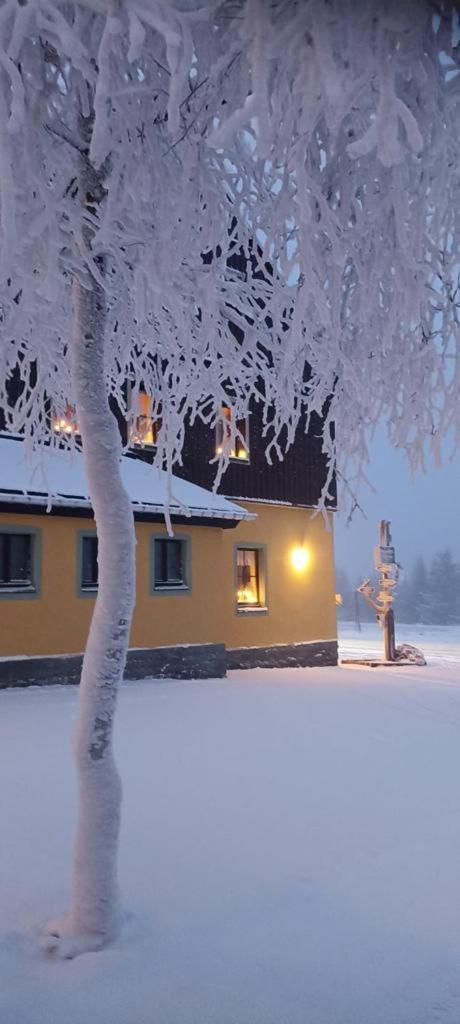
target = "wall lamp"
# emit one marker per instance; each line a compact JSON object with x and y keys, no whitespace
{"x":300,"y":559}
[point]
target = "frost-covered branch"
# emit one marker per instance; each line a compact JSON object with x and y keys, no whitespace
{"x":321,"y":140}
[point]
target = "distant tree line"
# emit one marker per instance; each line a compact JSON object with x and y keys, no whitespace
{"x":429,"y":594}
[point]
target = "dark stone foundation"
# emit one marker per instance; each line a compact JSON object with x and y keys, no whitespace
{"x":40,"y":671}
{"x":307,"y":655}
{"x":190,"y":661}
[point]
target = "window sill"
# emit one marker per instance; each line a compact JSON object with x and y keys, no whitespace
{"x":259,"y":609}
{"x":13,"y":593}
{"x":235,"y":458}
{"x":12,"y":589}
{"x":171,"y":590}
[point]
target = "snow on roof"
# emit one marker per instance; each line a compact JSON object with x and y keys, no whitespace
{"x":53,"y":478}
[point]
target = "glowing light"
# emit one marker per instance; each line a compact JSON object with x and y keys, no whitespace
{"x":300,"y":558}
{"x":338,"y":599}
{"x":233,"y":443}
{"x":246,"y":596}
{"x":144,"y":427}
{"x":66,"y":424}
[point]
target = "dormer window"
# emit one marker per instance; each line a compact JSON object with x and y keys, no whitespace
{"x":66,"y":423}
{"x":144,"y":425}
{"x":236,"y":446}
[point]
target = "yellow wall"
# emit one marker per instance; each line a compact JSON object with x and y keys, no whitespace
{"x":300,"y":606}
{"x":193,"y":617}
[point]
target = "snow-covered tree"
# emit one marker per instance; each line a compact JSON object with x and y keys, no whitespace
{"x":118,"y":228}
{"x":443,"y":591}
{"x":144,"y":143}
{"x":412,"y":594}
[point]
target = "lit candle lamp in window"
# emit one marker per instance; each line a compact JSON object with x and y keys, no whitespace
{"x":238,"y":448}
{"x":66,"y":424}
{"x":248,"y":577}
{"x":144,"y":429}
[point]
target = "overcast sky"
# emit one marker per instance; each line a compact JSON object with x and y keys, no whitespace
{"x":424,"y":512}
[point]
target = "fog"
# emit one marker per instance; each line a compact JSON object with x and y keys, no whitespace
{"x":424,"y":512}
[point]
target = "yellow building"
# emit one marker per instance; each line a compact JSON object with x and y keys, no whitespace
{"x":241,"y":583}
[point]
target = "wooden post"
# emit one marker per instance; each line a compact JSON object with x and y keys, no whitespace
{"x":382,"y":603}
{"x":389,"y":635}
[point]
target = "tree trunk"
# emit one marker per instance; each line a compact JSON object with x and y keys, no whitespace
{"x":94,"y":909}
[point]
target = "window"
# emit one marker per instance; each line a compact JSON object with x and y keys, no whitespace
{"x":67,"y":423}
{"x":170,"y":564}
{"x":88,"y":568}
{"x":250,"y":578}
{"x":144,"y":425}
{"x":236,"y":447}
{"x":18,"y":562}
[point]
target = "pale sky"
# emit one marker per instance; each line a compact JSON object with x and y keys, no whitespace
{"x":424,"y":512}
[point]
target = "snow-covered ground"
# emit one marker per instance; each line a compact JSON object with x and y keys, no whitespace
{"x":440,"y":644}
{"x":290,"y":851}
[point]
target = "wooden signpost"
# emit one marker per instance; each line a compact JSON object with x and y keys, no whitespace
{"x":381,"y":600}
{"x":382,"y":603}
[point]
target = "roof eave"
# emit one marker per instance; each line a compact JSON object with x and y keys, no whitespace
{"x":49,"y":503}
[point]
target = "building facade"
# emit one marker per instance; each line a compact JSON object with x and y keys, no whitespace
{"x":247,"y":579}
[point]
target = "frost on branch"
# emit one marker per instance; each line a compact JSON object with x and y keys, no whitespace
{"x":319,"y":140}
{"x":162,"y":218}
{"x":358,"y":126}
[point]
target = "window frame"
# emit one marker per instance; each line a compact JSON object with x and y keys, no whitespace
{"x":25,"y":593}
{"x":81,"y":590}
{"x":168,"y":590}
{"x":221,"y":425}
{"x":252,"y":609}
{"x":138,"y":446}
